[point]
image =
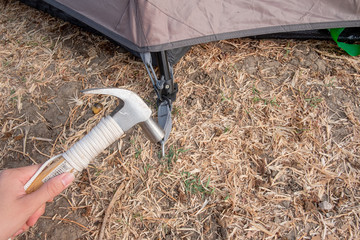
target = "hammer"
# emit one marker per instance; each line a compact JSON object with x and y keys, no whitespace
{"x":132,"y":111}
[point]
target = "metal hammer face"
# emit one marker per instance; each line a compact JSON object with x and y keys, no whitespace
{"x":134,"y":111}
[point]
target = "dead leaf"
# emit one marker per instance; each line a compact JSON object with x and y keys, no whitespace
{"x":19,"y":137}
{"x":6,"y":136}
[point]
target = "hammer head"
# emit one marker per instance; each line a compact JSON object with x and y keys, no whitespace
{"x":133,"y":111}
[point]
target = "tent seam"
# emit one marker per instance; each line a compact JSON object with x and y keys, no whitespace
{"x":174,"y":18}
{"x":211,"y":26}
{"x":127,"y":7}
{"x":140,"y":23}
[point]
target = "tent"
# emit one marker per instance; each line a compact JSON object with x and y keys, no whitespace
{"x":161,"y":31}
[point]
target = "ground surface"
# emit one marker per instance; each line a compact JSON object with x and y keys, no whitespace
{"x":265,"y":140}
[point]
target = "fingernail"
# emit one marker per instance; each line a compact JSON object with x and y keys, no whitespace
{"x":19,"y":232}
{"x":67,"y":178}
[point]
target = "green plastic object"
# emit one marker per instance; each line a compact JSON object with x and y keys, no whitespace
{"x":351,"y":49}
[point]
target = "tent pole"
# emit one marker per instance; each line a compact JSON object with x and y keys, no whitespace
{"x":166,"y":73}
{"x":165,"y":89}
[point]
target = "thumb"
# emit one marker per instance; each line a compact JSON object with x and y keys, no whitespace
{"x":51,"y":189}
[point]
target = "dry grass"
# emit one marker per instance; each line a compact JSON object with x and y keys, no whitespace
{"x":265,"y":141}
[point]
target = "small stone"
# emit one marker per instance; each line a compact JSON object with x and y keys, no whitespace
{"x":277,"y":220}
{"x":325,"y":205}
{"x":285,"y":204}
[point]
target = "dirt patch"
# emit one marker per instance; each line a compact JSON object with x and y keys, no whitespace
{"x":265,"y":140}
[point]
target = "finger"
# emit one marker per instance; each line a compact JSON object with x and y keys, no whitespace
{"x":48,"y":190}
{"x":22,"y":174}
{"x":37,"y":214}
{"x":24,"y":228}
{"x":25,"y":173}
{"x":18,"y":233}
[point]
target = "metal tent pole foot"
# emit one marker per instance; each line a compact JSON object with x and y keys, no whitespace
{"x":165,"y":89}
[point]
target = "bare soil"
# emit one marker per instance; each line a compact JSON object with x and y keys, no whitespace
{"x":265,"y":140}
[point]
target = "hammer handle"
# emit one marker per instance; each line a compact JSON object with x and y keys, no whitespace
{"x":79,"y":155}
{"x":50,"y":169}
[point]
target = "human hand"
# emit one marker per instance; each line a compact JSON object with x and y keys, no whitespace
{"x":18,"y":210}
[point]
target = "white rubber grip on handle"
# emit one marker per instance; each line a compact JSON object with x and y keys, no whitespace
{"x":99,"y":138}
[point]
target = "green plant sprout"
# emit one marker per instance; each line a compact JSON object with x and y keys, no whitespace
{"x":224,"y":98}
{"x":193,"y":184}
{"x":314,"y":102}
{"x":146,"y":168}
{"x":257,"y":98}
{"x":137,"y":153}
{"x":172,"y":155}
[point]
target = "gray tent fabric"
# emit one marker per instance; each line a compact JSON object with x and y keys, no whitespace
{"x":158,"y":25}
